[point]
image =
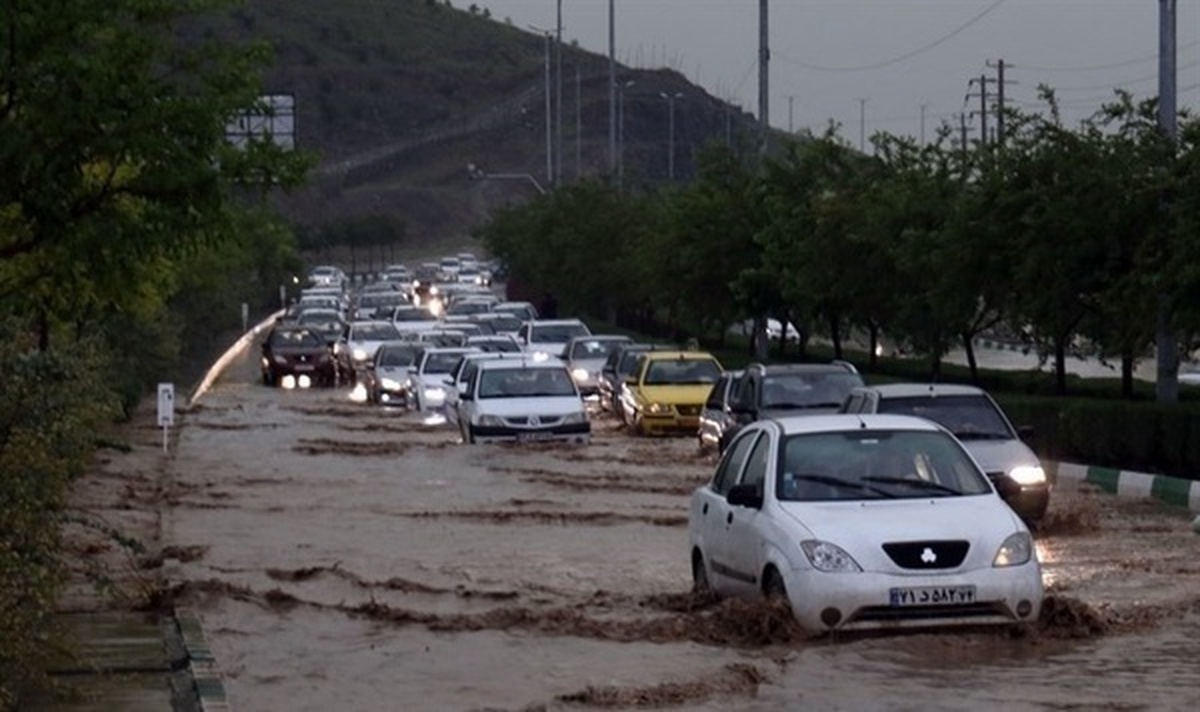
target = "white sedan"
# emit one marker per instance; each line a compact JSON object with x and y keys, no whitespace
{"x":522,"y":399}
{"x":859,"y":522}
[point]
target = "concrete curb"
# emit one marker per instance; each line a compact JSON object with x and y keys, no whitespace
{"x":1126,"y":483}
{"x":206,"y":676}
{"x":230,"y":354}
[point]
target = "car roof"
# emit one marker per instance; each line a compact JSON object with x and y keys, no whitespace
{"x":523,"y":360}
{"x":799,"y":424}
{"x":555,"y":322}
{"x":653,"y":355}
{"x":773,"y":368}
{"x":922,"y":390}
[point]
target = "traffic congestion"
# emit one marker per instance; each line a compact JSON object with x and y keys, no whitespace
{"x":345,"y":548}
{"x":858,"y":507}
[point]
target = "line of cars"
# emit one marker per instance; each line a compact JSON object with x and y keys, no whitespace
{"x":859,"y":506}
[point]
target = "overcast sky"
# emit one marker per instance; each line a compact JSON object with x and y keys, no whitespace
{"x":871,"y":65}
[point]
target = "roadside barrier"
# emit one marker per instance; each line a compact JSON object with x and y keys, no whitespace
{"x":230,"y":354}
{"x":1127,"y":483}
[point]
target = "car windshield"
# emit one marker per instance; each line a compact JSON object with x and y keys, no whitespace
{"x":808,"y":390}
{"x":969,"y":417}
{"x":523,"y":313}
{"x":628,"y":361}
{"x":374,"y":332}
{"x":682,"y":371}
{"x":593,"y":349}
{"x":292,"y":338}
{"x":495,"y":345}
{"x":872,"y":464}
{"x":396,"y":355}
{"x":468,"y":308}
{"x":556,"y":333}
{"x":519,"y":382}
{"x":441,"y":362}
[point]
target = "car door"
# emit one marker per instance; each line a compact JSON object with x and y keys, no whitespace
{"x":716,"y":514}
{"x":746,"y":527}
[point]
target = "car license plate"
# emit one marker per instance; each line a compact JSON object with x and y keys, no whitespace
{"x":530,"y":437}
{"x":931,"y":595}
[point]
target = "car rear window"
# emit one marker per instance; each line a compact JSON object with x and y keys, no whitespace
{"x":967,"y":416}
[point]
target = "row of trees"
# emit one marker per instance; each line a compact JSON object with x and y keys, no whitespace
{"x":130,"y":232}
{"x":1069,"y":239}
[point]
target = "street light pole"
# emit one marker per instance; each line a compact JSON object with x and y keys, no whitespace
{"x":612,"y":87}
{"x":621,"y":132}
{"x":558,"y":96}
{"x":671,"y":131}
{"x":549,"y":105}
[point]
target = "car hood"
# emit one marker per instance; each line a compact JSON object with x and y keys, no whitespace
{"x":861,"y":527}
{"x":1000,"y":455}
{"x":539,"y":405}
{"x":688,"y":394}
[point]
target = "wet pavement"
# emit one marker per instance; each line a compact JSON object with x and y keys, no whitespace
{"x":339,"y":556}
{"x":345,"y":557}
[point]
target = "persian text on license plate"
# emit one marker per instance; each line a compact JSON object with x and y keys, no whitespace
{"x":931,"y":595}
{"x":527,"y":437}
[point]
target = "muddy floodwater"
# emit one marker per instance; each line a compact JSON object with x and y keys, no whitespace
{"x":341,"y":557}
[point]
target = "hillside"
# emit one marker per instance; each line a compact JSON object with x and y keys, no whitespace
{"x":398,"y":97}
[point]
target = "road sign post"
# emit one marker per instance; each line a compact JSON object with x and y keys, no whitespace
{"x":166,"y":409}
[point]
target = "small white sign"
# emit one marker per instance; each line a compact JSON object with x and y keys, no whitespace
{"x":166,"y":404}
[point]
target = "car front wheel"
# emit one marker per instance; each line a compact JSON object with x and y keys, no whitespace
{"x":700,"y":584}
{"x":773,"y":586}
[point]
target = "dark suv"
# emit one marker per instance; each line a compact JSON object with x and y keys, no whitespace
{"x":770,"y":390}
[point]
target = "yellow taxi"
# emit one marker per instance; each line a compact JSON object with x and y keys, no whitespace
{"x":666,"y":391}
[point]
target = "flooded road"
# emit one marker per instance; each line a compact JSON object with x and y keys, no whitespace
{"x":343,"y":557}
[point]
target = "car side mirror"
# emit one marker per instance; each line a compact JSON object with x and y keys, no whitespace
{"x":465,"y":395}
{"x":744,"y":495}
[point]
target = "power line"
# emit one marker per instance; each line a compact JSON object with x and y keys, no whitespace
{"x":906,"y":56}
{"x":1101,"y":67}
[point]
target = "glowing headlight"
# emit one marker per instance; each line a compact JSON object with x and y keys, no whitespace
{"x":540,"y":356}
{"x":360,"y":354}
{"x":390,"y":384}
{"x":829,"y":558}
{"x":1028,"y":475}
{"x":1016,"y":550}
{"x":580,"y":374}
{"x":434,"y":395}
{"x":659,"y":408}
{"x":433,"y":290}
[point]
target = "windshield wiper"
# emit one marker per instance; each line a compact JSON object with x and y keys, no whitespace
{"x":979,"y":435}
{"x":915,"y":484}
{"x":840,"y":483}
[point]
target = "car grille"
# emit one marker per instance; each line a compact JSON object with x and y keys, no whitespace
{"x":534,"y":421}
{"x":930,"y":613}
{"x":927,"y":555}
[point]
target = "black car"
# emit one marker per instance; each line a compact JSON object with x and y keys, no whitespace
{"x":771,"y":390}
{"x":297,"y":356}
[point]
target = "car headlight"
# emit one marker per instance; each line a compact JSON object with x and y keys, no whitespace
{"x":492,"y":421}
{"x":390,"y":384}
{"x":1028,"y":475}
{"x":659,"y":408}
{"x":574,"y":418}
{"x":434,"y":394}
{"x":1016,"y":550}
{"x":360,"y":354}
{"x":829,"y":558}
{"x":280,"y":359}
{"x":580,"y":374}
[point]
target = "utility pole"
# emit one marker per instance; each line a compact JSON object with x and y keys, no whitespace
{"x":549,"y":124}
{"x":982,"y":80}
{"x":578,"y":123}
{"x":764,"y":88}
{"x":862,"y":125}
{"x":923,"y":123}
{"x":791,"y":107}
{"x":558,"y":97}
{"x":671,"y":131}
{"x":612,"y":88}
{"x":1000,"y":84}
{"x":1167,"y":360}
